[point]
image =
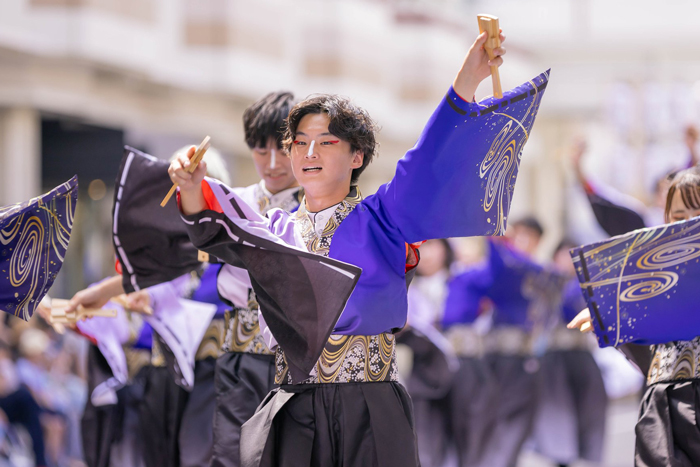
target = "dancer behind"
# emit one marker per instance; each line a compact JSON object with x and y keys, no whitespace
{"x":618,"y":213}
{"x":331,"y":141}
{"x":570,"y":422}
{"x":434,"y":362}
{"x":473,"y":397}
{"x":246,"y":368}
{"x":110,"y":427}
{"x":667,"y":430}
{"x":176,"y":424}
{"x":509,"y":343}
{"x":170,"y":420}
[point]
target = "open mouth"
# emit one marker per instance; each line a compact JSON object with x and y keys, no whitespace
{"x":311,"y":169}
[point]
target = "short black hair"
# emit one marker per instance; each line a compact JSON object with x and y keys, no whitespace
{"x":347,"y":121}
{"x":531,"y":223}
{"x":265,"y":118}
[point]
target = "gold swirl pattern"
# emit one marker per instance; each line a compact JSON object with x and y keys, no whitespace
{"x":25,"y":264}
{"x":348,"y":359}
{"x":243,"y":332}
{"x":34,"y":237}
{"x":211,"y":344}
{"x":675,"y":361}
{"x":670,"y":254}
{"x":656,"y":257}
{"x":651,"y":286}
{"x":500,"y":165}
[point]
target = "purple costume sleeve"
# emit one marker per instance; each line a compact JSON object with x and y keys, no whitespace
{"x":458,"y":179}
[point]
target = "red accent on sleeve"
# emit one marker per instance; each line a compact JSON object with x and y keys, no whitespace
{"x":209,"y":198}
{"x":588,"y":188}
{"x":118,"y":266}
{"x":212,"y":202}
{"x":468,"y":102}
{"x":412,"y":255}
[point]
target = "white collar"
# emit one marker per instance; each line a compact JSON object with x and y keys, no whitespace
{"x":320,"y":218}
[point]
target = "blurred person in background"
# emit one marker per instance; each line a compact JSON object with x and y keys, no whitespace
{"x":173,"y":426}
{"x":473,"y":395}
{"x":111,"y":431}
{"x":176,"y":423}
{"x":434,"y":362}
{"x":526,"y":235}
{"x":667,"y":428}
{"x":618,"y":213}
{"x":33,"y":366}
{"x":510,"y":343}
{"x":19,"y":406}
{"x":570,"y":423}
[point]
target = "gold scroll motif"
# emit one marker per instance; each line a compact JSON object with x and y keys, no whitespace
{"x":501,"y":163}
{"x":675,"y":361}
{"x":348,"y":359}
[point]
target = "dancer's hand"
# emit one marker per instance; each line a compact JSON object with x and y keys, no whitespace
{"x":191,"y":196}
{"x":477,"y":66}
{"x":582,"y":321}
{"x":181,"y":177}
{"x":97,"y":295}
{"x":139,"y":302}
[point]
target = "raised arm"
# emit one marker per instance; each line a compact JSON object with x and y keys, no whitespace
{"x":458,"y":179}
{"x":476,"y":67}
{"x":616,"y":213}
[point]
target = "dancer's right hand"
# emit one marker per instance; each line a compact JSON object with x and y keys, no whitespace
{"x":181,"y":177}
{"x":582,"y":321}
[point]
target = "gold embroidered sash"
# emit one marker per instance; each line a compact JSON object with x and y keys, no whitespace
{"x":348,"y":359}
{"x":675,"y":361}
{"x":243,"y":332}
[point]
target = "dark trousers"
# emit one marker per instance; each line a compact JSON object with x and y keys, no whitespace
{"x":242,"y":381}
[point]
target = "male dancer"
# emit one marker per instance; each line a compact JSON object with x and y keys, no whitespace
{"x":351,"y":409}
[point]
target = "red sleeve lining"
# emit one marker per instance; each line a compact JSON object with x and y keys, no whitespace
{"x":209,"y":198}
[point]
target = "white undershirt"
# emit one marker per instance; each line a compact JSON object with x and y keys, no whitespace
{"x":320,"y":219}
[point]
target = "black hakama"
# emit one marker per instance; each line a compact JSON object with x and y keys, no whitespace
{"x":161,"y":415}
{"x":196,"y":438}
{"x":341,"y":424}
{"x":242,"y":382}
{"x":668,"y":430}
